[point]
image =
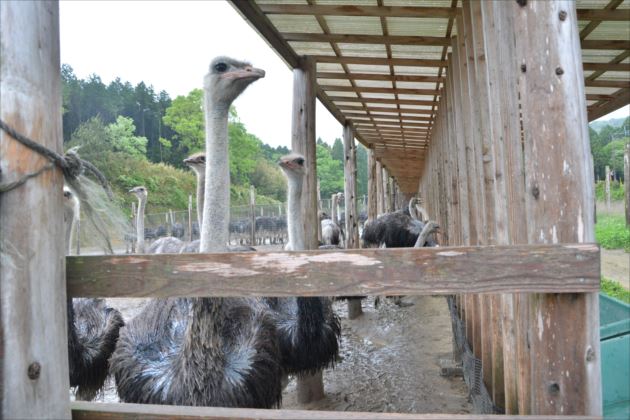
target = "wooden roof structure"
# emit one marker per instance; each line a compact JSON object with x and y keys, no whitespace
{"x":381,"y":64}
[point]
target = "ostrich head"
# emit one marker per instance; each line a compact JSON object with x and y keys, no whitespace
{"x":293,"y":166}
{"x":197,"y":162}
{"x":140,"y":192}
{"x":228,"y":78}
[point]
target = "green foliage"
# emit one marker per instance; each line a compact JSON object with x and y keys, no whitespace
{"x":611,"y":232}
{"x":269,"y":181}
{"x":123,"y":139}
{"x":185,"y":118}
{"x":337,"y":150}
{"x":329,"y":172}
{"x":244,"y":151}
{"x":362,"y":170}
{"x":617,"y":191}
{"x":615,"y":289}
{"x":607,"y":147}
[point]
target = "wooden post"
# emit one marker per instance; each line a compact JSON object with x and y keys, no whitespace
{"x":190,"y":225}
{"x":350,"y":199}
{"x":319,"y":210}
{"x":563,"y":328}
{"x":372,"y":186}
{"x":387,"y":193}
{"x":303,"y":141}
{"x":171,"y":221}
{"x":252,"y":212}
{"x":33,"y":338}
{"x":134,"y":220}
{"x":626,"y":181}
{"x":608,"y":187}
{"x":380,"y":202}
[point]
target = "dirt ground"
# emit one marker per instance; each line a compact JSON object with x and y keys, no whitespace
{"x":389,"y":360}
{"x":616,"y":266}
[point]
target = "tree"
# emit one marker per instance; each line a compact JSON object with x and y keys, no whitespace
{"x":244,"y":150}
{"x":185,"y":118}
{"x":329,"y":172}
{"x":362,"y":170}
{"x":337,"y":150}
{"x":123,"y":140}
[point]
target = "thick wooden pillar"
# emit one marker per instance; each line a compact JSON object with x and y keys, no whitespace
{"x":380,"y":198}
{"x":372,"y":189}
{"x":303,"y":141}
{"x":563,"y":328}
{"x":33,"y":333}
{"x":626,"y":181}
{"x":350,"y":187}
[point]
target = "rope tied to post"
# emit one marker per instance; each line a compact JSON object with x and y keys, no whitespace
{"x":70,"y":163}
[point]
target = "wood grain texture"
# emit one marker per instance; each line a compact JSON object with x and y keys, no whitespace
{"x":33,"y":316}
{"x":100,"y":411}
{"x":350,"y":188}
{"x":526,"y":268}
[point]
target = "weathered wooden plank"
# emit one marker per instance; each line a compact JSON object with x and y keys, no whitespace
{"x":400,"y":91}
{"x":33,"y":340}
{"x":378,"y":39}
{"x":108,"y":411}
{"x":303,"y":141}
{"x":525,"y":268}
{"x":350,"y":188}
{"x":372,"y":189}
{"x":563,"y":329}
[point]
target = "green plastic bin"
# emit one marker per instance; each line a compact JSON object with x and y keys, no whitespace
{"x":614,"y":330}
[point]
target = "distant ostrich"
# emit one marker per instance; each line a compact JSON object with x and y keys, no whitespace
{"x":331,"y":233}
{"x":92,"y":327}
{"x":399,"y":229}
{"x":308,"y":328}
{"x":205,"y":351}
{"x":165,"y":245}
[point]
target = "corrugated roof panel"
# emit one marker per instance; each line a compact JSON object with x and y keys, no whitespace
{"x":296,"y":23}
{"x":599,"y":56}
{"x":341,"y":93}
{"x":416,"y":85}
{"x":342,"y":2}
{"x":416,"y":97}
{"x":393,"y":106}
{"x":422,"y":71}
{"x":615,"y":75}
{"x":356,"y":25}
{"x":363,"y":50}
{"x":611,"y":30}
{"x":425,"y":3}
{"x":600,"y":90}
{"x":312,"y":48}
{"x":342,"y":104}
{"x":418,"y":106}
{"x":334,"y":82}
{"x":417,"y":51}
{"x":369,"y":95}
{"x":329,"y":67}
{"x":599,"y":4}
{"x":368,"y":68}
{"x":417,"y":26}
{"x":374,"y":83}
{"x":282,"y":1}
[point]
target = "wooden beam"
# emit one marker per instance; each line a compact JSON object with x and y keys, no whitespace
{"x":605,"y":44}
{"x":619,"y":15}
{"x":267,"y":31}
{"x":82,"y":410}
{"x":34,"y":379}
{"x":607,"y":83}
{"x":303,"y":141}
{"x":381,"y":101}
{"x":369,"y":39}
{"x":619,"y":99}
{"x":613,"y":4}
{"x":381,"y":77}
{"x":398,"y":91}
{"x":380,"y":61}
{"x":606,"y":66}
{"x":564,"y":268}
{"x":354,"y":115}
{"x":343,"y":108}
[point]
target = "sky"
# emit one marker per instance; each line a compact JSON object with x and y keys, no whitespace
{"x":170,"y":46}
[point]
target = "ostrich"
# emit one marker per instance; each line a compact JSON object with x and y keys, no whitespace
{"x":331,"y":233}
{"x":165,"y":245}
{"x":308,"y":328}
{"x":205,"y":351}
{"x":92,"y":327}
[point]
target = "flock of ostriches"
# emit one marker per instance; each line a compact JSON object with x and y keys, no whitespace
{"x":230,"y":352}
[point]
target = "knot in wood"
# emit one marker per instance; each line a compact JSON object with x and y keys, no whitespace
{"x":554,"y":388}
{"x":559,"y":71}
{"x":34,"y":369}
{"x":521,"y":3}
{"x":535,"y":191}
{"x":562,"y":15}
{"x":523,"y":68}
{"x":590,"y":354}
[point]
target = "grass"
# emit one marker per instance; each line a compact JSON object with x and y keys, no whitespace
{"x":616,"y":191}
{"x":615,"y":289}
{"x":611,"y":232}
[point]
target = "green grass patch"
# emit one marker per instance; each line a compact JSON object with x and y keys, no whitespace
{"x":611,"y":232}
{"x":615,"y":289}
{"x":616,"y":191}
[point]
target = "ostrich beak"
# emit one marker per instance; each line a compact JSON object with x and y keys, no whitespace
{"x":248,"y":72}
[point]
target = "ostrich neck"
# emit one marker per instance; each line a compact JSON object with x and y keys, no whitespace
{"x":140,"y":224}
{"x":68,"y":217}
{"x":295,"y":226}
{"x":201,"y":185}
{"x":216,"y":207}
{"x":333,"y":208}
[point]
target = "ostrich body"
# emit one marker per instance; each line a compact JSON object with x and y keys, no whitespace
{"x":308,"y":328}
{"x":93,"y":328}
{"x":205,"y":351}
{"x":165,"y":245}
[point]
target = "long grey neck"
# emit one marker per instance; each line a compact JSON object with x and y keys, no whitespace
{"x":216,"y":207}
{"x":140,"y":225}
{"x":201,"y":185}
{"x":295,"y":226}
{"x":333,"y":207}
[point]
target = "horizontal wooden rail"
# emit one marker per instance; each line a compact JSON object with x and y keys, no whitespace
{"x":425,"y":271}
{"x":98,"y":411}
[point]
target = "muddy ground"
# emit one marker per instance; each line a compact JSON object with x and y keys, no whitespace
{"x":389,"y":360}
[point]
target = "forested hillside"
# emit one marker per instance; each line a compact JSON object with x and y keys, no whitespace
{"x":607,"y":147}
{"x":137,"y":136}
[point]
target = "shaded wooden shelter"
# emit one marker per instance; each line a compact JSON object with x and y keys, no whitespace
{"x":480,"y":107}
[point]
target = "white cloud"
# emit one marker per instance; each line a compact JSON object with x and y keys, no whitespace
{"x":169,"y":44}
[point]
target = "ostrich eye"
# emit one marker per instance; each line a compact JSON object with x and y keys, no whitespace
{"x":220,"y":67}
{"x":299,"y":161}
